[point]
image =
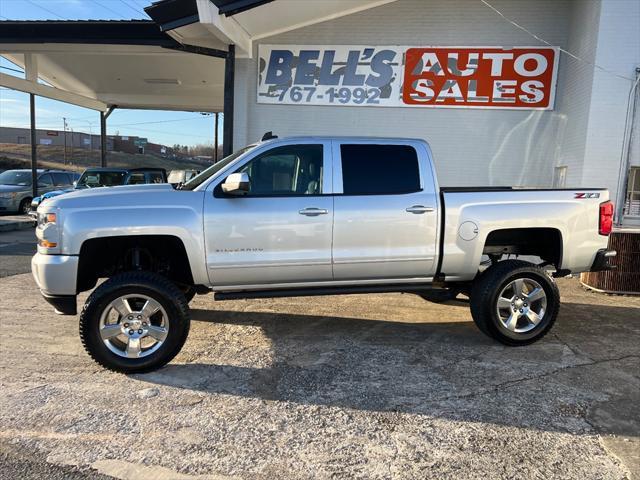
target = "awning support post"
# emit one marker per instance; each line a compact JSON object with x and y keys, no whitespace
{"x":215,"y":137}
{"x":229,"y":94}
{"x":103,"y":135}
{"x":34,"y":149}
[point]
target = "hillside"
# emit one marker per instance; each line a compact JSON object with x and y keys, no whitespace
{"x":19,"y":156}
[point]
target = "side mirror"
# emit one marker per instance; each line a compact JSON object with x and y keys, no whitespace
{"x":236,"y":184}
{"x":75,"y":183}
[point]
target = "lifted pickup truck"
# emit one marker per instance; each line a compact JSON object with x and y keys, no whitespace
{"x":310,"y":216}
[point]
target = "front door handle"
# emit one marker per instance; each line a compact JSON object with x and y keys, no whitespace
{"x":313,"y":212}
{"x":417,"y":209}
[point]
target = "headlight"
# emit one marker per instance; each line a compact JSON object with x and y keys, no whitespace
{"x":47,"y":232}
{"x":8,"y":195}
{"x":45,"y":218}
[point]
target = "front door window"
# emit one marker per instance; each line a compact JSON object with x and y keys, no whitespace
{"x":290,"y":170}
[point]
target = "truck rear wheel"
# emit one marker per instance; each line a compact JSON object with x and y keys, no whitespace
{"x":515,"y":302}
{"x":134,"y":322}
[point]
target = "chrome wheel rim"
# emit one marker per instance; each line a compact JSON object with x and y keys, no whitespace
{"x":134,"y":326}
{"x":521,"y":305}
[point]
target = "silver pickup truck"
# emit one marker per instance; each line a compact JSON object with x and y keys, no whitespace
{"x":310,"y":216}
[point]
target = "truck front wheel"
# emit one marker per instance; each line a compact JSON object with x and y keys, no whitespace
{"x":515,"y":302}
{"x":134,"y":322}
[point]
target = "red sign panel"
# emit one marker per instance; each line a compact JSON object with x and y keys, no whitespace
{"x":480,"y":77}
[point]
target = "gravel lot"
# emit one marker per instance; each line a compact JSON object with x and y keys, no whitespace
{"x":380,"y":386}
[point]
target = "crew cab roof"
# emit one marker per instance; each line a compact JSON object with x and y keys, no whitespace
{"x":125,"y":170}
{"x":340,"y":138}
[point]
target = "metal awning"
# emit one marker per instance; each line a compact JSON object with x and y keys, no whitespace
{"x":240,"y":22}
{"x":96,"y":64}
{"x":126,"y":64}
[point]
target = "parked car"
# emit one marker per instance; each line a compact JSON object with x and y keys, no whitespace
{"x":105,"y":177}
{"x":176,"y":177}
{"x":310,"y":216}
{"x":16,"y":187}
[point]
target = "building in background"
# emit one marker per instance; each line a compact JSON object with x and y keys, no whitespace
{"x":116,"y":143}
{"x":22,"y":136}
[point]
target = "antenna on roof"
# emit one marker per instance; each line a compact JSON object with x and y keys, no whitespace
{"x":268,"y":136}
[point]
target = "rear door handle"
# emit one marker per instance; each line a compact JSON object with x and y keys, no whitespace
{"x":417,"y":209}
{"x":313,"y":212}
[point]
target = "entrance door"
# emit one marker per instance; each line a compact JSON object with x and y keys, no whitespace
{"x":631,"y":203}
{"x":280,"y":231}
{"x":631,"y":212}
{"x":386,"y":217}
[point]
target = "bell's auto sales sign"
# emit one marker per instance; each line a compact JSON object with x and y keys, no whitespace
{"x":449,"y":77}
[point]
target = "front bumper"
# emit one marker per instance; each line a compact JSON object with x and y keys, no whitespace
{"x":56,"y":277}
{"x":601,"y":262}
{"x":63,"y":304}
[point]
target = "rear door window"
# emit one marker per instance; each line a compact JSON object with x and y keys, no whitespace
{"x":379,"y":169}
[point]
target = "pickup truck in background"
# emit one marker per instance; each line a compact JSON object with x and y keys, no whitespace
{"x":310,"y":216}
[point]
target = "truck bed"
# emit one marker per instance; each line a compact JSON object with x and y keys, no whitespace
{"x":507,"y":189}
{"x":471,"y":214}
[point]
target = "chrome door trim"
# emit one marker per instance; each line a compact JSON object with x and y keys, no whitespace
{"x":269,"y":265}
{"x":313,"y":211}
{"x":409,"y":259}
{"x":418,"y":209}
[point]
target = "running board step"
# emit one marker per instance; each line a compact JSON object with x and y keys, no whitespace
{"x":311,"y":292}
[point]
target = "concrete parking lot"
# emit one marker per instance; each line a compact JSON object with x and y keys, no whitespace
{"x":382,"y":386}
{"x":16,"y":249}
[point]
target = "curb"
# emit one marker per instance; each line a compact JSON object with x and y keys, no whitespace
{"x":12,"y":225}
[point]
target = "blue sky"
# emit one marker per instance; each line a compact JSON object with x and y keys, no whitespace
{"x":168,"y":128}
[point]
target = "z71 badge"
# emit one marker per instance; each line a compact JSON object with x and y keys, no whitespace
{"x":587,"y":195}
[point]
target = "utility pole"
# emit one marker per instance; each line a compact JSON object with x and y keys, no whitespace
{"x":34,"y":147}
{"x":64,"y":120}
{"x":72,"y":149}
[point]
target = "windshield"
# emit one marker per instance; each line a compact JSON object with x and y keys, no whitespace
{"x":213,"y":169}
{"x":100,"y":179}
{"x":16,"y":177}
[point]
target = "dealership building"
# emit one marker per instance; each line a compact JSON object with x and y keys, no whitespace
{"x":539,"y":93}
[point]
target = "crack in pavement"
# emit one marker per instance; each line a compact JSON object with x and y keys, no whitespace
{"x":510,"y":383}
{"x":573,"y":350}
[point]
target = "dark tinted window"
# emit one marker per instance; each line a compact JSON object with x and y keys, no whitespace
{"x":136,"y":179}
{"x":286,"y":170}
{"x":45,"y":180}
{"x":61,"y":179}
{"x":155,"y":177}
{"x":93,"y":178}
{"x":379,"y":169}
